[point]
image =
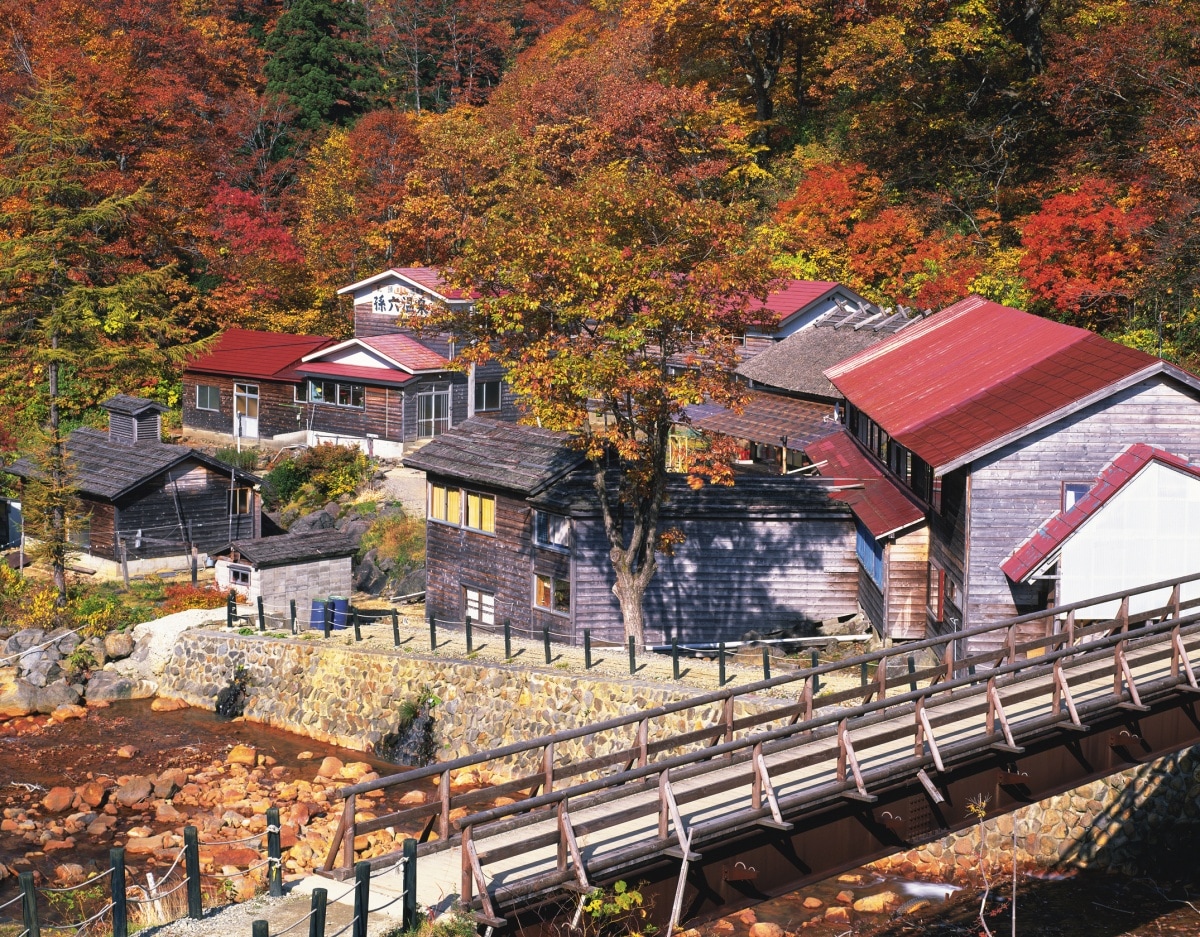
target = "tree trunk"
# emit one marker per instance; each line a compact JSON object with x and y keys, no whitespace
{"x":57,"y":482}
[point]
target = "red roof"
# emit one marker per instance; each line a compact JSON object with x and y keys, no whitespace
{"x":356,"y":372}
{"x":881,"y":505}
{"x":431,"y":279}
{"x":406,"y":351}
{"x":792,"y":297}
{"x":976,"y":372}
{"x":1049,"y":538}
{"x":264,"y":355}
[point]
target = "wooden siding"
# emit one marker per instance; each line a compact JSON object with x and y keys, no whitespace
{"x":102,"y":540}
{"x":730,"y":576}
{"x":870,"y":600}
{"x":203,"y":502}
{"x":277,"y":407}
{"x":499,"y":564}
{"x":907,"y":571}
{"x":1019,"y":486}
{"x":382,"y":414}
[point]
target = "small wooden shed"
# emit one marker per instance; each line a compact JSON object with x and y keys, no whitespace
{"x":304,"y":566}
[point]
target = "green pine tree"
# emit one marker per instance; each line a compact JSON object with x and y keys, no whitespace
{"x":319,"y":58}
{"x":73,"y":295}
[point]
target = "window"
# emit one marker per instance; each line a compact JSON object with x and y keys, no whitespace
{"x":241,"y":500}
{"x":870,"y":554}
{"x":1073,"y":492}
{"x":445,"y":504}
{"x":208,"y":397}
{"x":335,"y":394}
{"x":552,"y":531}
{"x":480,"y":606}
{"x":481,"y":512}
{"x":552,"y":594}
{"x":433,"y":412}
{"x":937,"y":592}
{"x":487,"y":395}
{"x":239,"y":576}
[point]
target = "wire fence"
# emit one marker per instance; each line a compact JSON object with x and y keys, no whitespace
{"x":114,"y":915}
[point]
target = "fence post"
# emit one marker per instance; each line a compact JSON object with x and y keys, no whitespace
{"x":29,"y":905}
{"x":862,"y":673}
{"x":432,"y":632}
{"x":362,"y":897}
{"x":546,"y":643}
{"x":262,"y":618}
{"x":408,"y":912}
{"x":316,"y":923}
{"x":912,"y":669}
{"x":467,"y":625}
{"x":327,"y":624}
{"x":395,"y":628}
{"x":260,"y":928}
{"x":120,"y":910}
{"x":274,"y":854}
{"x":230,"y":609}
{"x":632,"y":656}
{"x":675,"y":658}
{"x":292,"y":614}
{"x":766,"y":662}
{"x":587,"y":649}
{"x":816,"y":662}
{"x":721,"y":664}
{"x":191,"y":865}
{"x":507,"y":639}
{"x":357,"y":627}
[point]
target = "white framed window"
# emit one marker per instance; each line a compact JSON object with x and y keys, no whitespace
{"x":208,"y":397}
{"x":552,"y":594}
{"x":445,"y":504}
{"x":487,"y":396}
{"x":335,"y":393}
{"x":239,"y":576}
{"x":433,"y":412}
{"x":552,"y":531}
{"x":481,"y":512}
{"x":480,"y":606}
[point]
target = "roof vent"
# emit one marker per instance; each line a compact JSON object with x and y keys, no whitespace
{"x":133,"y":420}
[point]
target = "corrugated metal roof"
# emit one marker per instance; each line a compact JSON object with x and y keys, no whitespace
{"x":767,"y":419}
{"x":264,"y":355}
{"x":358,"y":373}
{"x":406,"y":351}
{"x":792,"y":296}
{"x":976,"y":372}
{"x":882,"y":505}
{"x":1045,"y":542}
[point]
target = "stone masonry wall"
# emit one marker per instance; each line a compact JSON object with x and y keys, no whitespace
{"x":351,"y":696}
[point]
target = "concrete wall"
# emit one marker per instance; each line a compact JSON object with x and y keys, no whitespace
{"x":303,"y":582}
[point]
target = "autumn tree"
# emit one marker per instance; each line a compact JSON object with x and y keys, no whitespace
{"x":66,"y":292}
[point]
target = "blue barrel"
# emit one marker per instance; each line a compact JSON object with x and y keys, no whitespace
{"x":317,"y":619}
{"x":341,"y":610}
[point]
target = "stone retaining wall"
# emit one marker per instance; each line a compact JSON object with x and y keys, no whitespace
{"x":351,"y":696}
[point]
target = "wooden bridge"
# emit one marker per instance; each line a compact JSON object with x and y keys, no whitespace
{"x":741,"y":809}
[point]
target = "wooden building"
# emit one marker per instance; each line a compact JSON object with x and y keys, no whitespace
{"x":514,"y":532}
{"x":996,"y":419}
{"x":378,"y":393}
{"x":158,"y":500}
{"x":410,"y":292}
{"x":794,"y":306}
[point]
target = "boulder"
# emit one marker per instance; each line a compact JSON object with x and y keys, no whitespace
{"x":17,"y":697}
{"x":128,"y":751}
{"x":163,"y":704}
{"x":154,"y":642}
{"x":65,"y":713}
{"x":330,"y":767}
{"x":55,"y":696}
{"x":108,"y":685}
{"x":141,"y":845}
{"x":92,"y":793}
{"x":24,"y":640}
{"x":838,"y":914}
{"x":812,"y":903}
{"x":242,"y":755}
{"x":317,"y":520}
{"x":877,"y":903}
{"x":134,"y":791}
{"x":58,"y":799}
{"x":765,"y":929}
{"x":118,"y":645}
{"x":369,"y":578}
{"x":355,"y":528}
{"x":65,"y":641}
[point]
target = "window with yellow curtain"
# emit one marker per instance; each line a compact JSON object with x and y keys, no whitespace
{"x":445,"y":504}
{"x":481,"y":512}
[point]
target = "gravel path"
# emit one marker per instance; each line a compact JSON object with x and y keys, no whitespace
{"x":237,"y":920}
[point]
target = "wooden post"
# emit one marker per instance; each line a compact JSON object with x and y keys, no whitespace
{"x":262,"y":617}
{"x":632,"y":656}
{"x":675,"y":658}
{"x":766,"y":663}
{"x":444,"y":798}
{"x":260,"y":928}
{"x":408,"y":906}
{"x":195,"y":559}
{"x":274,"y":854}
{"x":546,"y":643}
{"x":357,"y":624}
{"x":191,"y":864}
{"x":362,"y":896}
{"x":507,"y":639}
{"x":29,"y":905}
{"x":467,"y":623}
{"x":587,"y":649}
{"x":316,"y":922}
{"x":124,"y":563}
{"x":348,"y":811}
{"x":120,"y":909}
{"x":395,"y":628}
{"x":721,"y":664}
{"x":432,"y":632}
{"x":292,"y":614}
{"x":230,"y":610}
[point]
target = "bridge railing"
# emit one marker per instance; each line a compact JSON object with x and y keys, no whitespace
{"x":640,"y":739}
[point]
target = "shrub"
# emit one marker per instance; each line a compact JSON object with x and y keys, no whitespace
{"x":100,"y":614}
{"x":319,"y":474}
{"x":246,"y":460}
{"x":397,"y":537}
{"x":181,"y":596}
{"x":281,"y":483}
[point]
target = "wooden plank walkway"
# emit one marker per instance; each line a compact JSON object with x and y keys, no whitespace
{"x":633,"y":809}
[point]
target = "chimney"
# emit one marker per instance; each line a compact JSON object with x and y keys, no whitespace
{"x":133,"y":420}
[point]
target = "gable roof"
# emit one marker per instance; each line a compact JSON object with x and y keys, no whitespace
{"x":266,"y":552}
{"x":403,"y":358}
{"x":1043,"y":544}
{"x":523,"y":459}
{"x":977,"y":374}
{"x":263,"y":355}
{"x":428,"y":279}
{"x":107,"y":469}
{"x":131,"y":406}
{"x":797,"y":364}
{"x":880,"y":504}
{"x":767,"y":419}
